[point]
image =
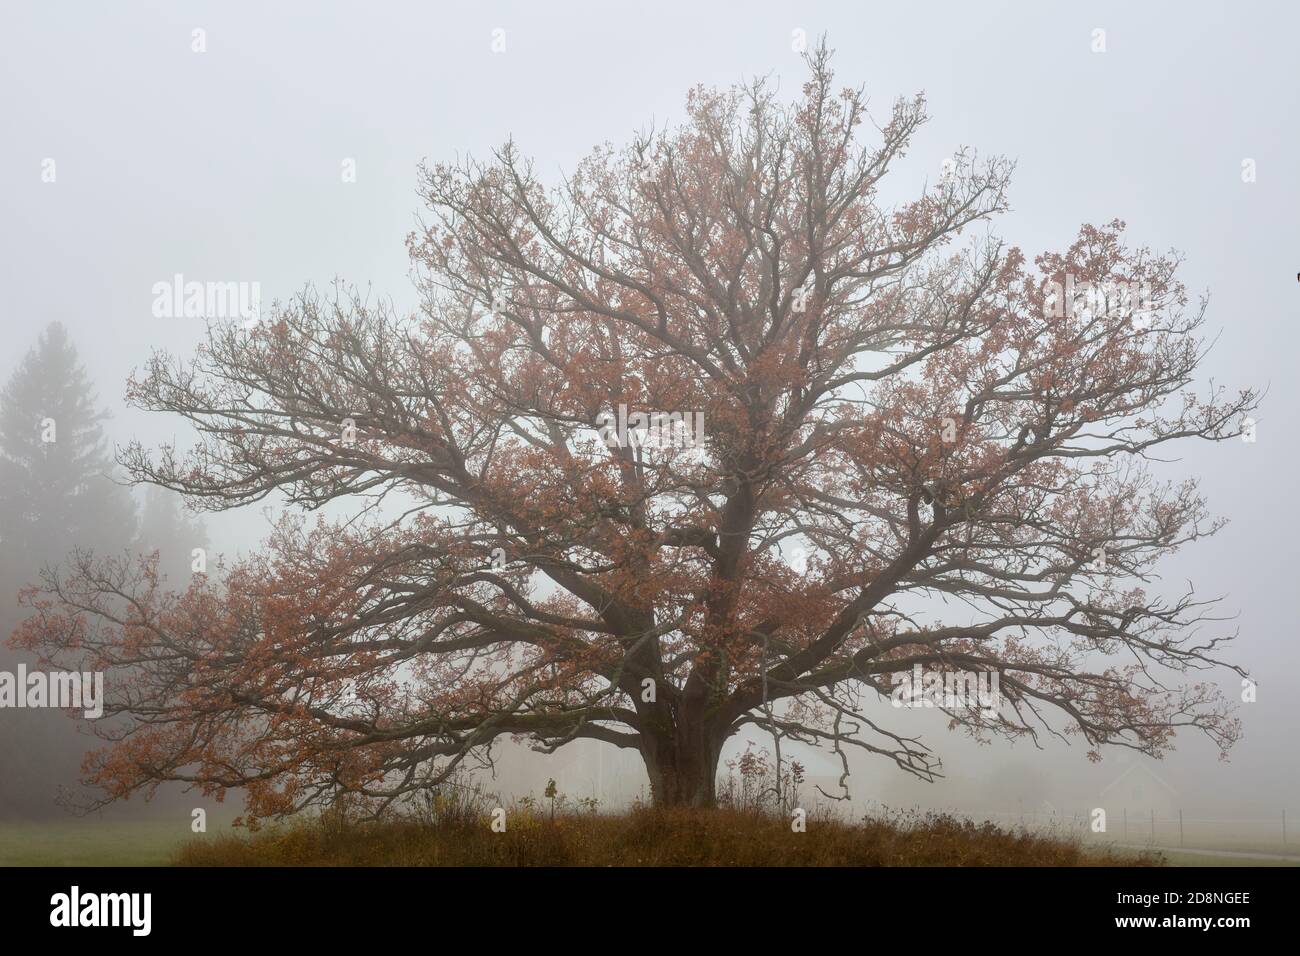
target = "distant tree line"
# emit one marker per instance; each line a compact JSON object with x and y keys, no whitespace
{"x":60,"y":491}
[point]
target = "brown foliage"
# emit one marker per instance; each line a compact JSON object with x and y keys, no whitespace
{"x":921,"y":417}
{"x":654,"y":837}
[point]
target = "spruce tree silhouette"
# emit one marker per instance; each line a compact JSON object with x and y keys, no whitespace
{"x":56,"y":471}
{"x":57,"y":494}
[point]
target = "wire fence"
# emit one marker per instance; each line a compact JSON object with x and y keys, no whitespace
{"x":1168,"y":828}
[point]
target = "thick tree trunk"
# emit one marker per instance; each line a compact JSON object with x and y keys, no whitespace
{"x":683,"y":769}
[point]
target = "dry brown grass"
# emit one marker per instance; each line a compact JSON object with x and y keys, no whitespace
{"x":650,"y":838}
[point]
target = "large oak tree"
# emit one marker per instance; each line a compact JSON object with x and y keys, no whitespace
{"x":886,"y":387}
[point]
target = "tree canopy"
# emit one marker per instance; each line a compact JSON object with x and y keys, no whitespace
{"x":919,"y":448}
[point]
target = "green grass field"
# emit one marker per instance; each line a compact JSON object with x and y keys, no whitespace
{"x":90,"y":844}
{"x":99,"y":843}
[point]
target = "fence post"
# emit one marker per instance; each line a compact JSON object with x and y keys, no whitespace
{"x":1180,"y":826}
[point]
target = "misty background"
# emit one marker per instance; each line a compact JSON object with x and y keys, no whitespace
{"x":227,"y":165}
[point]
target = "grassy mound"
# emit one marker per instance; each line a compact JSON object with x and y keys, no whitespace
{"x":650,"y":838}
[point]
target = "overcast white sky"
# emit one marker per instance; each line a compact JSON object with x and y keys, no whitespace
{"x":225,"y":165}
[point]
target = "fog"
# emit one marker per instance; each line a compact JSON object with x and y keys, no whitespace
{"x":228,"y":165}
